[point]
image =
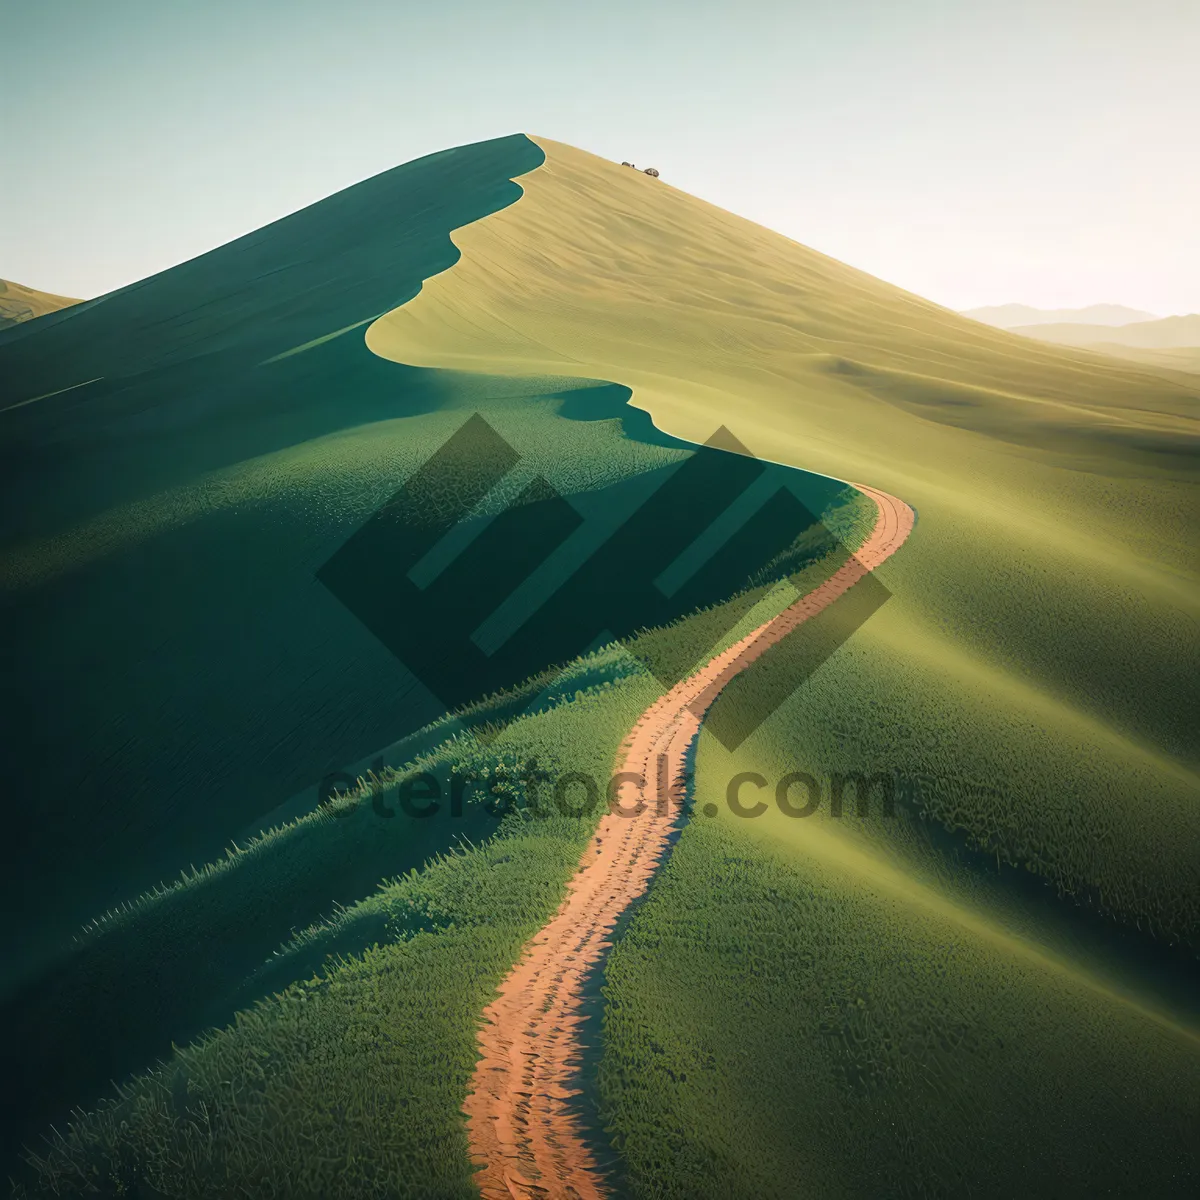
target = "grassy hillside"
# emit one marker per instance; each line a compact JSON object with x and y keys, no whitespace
{"x":19,"y":303}
{"x":369,"y":1061}
{"x":185,"y":460}
{"x":992,"y":992}
{"x":1050,"y":590}
{"x":794,"y":1014}
{"x":1030,"y":676}
{"x":370,"y":1009}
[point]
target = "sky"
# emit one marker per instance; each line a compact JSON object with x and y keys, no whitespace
{"x":1037,"y":151}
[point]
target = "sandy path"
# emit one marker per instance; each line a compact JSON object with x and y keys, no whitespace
{"x":521,"y":1128}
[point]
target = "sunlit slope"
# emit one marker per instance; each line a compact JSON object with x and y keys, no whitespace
{"x":606,"y":265}
{"x":19,"y":303}
{"x":937,"y":1053}
{"x":1038,"y":659}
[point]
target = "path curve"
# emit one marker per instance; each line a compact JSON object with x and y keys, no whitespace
{"x":522,"y":1131}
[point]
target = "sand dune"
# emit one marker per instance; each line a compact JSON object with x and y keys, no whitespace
{"x":19,"y":303}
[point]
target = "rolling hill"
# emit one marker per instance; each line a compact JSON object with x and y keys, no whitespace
{"x":1183,"y":358}
{"x":199,"y":472}
{"x":1008,"y":961}
{"x":1011,"y":316}
{"x":1171,"y":342}
{"x":1169,"y":333}
{"x":19,"y":303}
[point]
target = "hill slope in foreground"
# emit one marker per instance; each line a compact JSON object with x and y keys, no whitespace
{"x":19,"y":303}
{"x":1009,"y":961}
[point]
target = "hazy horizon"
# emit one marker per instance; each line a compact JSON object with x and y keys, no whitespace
{"x":976,"y":154}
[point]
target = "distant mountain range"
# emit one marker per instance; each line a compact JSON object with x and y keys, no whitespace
{"x":1011,"y":316}
{"x":1165,"y":334}
{"x":1172,"y":342}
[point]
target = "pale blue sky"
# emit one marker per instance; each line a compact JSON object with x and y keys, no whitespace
{"x":1043,"y":152}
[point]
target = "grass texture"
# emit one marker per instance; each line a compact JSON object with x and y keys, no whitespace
{"x":793,"y":1014}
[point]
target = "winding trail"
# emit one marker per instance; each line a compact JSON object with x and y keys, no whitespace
{"x":521,"y":1128}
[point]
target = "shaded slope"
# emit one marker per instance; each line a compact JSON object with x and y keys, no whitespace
{"x":174,"y":670}
{"x":350,"y":1083}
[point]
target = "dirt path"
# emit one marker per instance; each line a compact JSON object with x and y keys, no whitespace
{"x":521,"y":1128}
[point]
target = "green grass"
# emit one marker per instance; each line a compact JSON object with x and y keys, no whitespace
{"x":368,"y":1057}
{"x":1029,"y":685}
{"x":162,"y":967}
{"x":802,"y":1017}
{"x":201,"y":946}
{"x":184,"y":956}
